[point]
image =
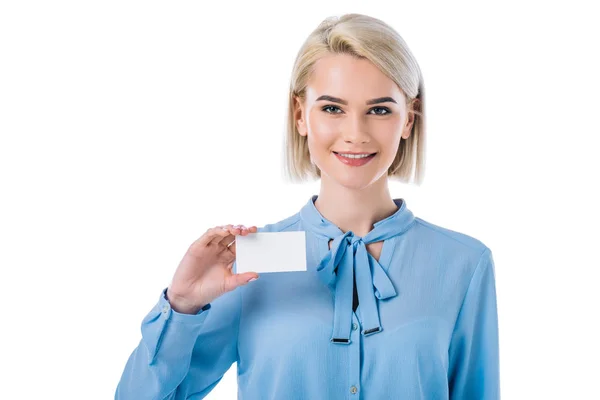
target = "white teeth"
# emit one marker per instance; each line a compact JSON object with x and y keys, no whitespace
{"x":354,"y":155}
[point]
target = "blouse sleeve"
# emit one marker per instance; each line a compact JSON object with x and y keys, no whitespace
{"x":473,"y":354}
{"x":182,"y":355}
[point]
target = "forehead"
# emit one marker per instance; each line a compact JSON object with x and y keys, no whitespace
{"x":351,"y":78}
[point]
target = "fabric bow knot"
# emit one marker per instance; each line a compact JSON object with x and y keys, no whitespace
{"x":348,"y":256}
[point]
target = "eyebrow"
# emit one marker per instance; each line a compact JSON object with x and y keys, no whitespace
{"x":372,"y":101}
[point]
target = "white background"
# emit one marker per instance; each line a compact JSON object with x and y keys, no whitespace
{"x":130,"y":127}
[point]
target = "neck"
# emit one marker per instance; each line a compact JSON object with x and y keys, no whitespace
{"x":355,"y":210}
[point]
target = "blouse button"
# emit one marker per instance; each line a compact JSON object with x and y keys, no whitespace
{"x":354,"y":326}
{"x":353,"y":390}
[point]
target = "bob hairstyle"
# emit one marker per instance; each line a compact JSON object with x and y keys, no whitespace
{"x":367,"y":38}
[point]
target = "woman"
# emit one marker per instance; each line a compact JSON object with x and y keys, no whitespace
{"x":390,"y":307}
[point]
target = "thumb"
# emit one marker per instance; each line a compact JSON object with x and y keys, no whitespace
{"x":246,"y":277}
{"x":242,"y":279}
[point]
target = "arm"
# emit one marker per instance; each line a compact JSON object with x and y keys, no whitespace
{"x":473,"y":353}
{"x":180,"y":354}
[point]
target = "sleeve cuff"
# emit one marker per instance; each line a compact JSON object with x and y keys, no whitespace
{"x":169,"y":313}
{"x":154,"y":326}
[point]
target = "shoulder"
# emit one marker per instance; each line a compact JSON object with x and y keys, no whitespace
{"x":291,"y":223}
{"x":448,"y":237}
{"x":453,"y":247}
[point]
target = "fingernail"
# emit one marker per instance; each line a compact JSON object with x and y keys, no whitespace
{"x":253,"y":279}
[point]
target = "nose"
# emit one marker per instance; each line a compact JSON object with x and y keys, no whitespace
{"x":355,"y":130}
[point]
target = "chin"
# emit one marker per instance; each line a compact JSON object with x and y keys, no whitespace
{"x":349,"y":179}
{"x":356,"y":185}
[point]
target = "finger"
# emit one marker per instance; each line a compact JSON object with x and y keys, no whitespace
{"x":229,"y":241}
{"x":212,"y":234}
{"x":231,"y":247}
{"x":236,"y":230}
{"x":226,"y":236}
{"x":233,"y":231}
{"x":237,"y":280}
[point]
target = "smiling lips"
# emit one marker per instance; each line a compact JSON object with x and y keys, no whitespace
{"x":355,"y":161}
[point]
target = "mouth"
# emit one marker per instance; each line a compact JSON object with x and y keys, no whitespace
{"x":355,"y":161}
{"x":355,"y":153}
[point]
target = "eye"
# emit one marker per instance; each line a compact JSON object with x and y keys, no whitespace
{"x":330,"y":107}
{"x":387,"y":110}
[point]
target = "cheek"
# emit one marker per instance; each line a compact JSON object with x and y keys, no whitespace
{"x":387,"y":133}
{"x":323,"y":130}
{"x":321,"y":124}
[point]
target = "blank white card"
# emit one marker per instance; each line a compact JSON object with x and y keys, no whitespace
{"x":271,"y":252}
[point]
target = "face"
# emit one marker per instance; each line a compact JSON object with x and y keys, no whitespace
{"x":352,"y":107}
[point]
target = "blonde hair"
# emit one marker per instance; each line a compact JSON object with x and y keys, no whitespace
{"x":363,"y":37}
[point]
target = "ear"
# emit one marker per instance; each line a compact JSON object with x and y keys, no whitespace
{"x":299,"y":116}
{"x":411,"y":119}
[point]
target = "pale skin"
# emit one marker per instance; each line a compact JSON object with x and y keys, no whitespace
{"x":205,"y":272}
{"x":353,"y":198}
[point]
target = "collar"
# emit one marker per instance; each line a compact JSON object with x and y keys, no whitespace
{"x":349,"y":255}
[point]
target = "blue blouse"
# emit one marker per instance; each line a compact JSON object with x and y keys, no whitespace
{"x":426,"y":325}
